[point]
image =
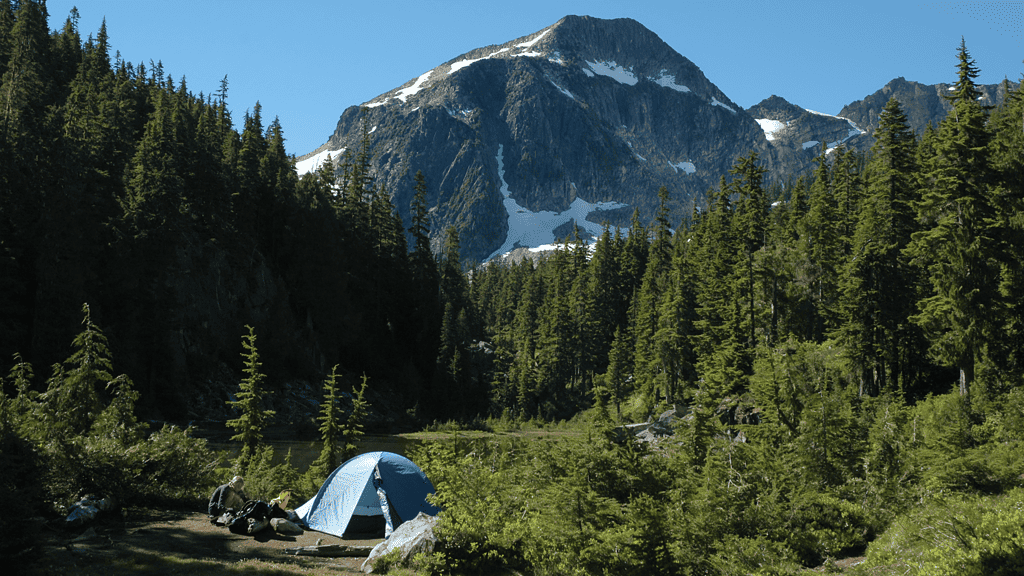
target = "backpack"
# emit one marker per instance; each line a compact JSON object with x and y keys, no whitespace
{"x":252,"y":518}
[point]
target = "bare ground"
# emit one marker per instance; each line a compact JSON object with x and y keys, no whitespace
{"x":173,"y":542}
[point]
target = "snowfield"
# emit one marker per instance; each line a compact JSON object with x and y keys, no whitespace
{"x":536,"y":229}
{"x":770,"y":127}
{"x":612,"y":70}
{"x":313,"y":162}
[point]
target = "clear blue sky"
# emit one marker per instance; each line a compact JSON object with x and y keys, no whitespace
{"x":308,"y":60}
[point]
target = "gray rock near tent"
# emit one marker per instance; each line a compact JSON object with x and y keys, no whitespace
{"x":411,"y":538}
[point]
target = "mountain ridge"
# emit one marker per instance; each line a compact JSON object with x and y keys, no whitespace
{"x":582,"y":122}
{"x":591,"y":118}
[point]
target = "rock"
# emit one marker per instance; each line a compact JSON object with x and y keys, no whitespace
{"x":87,"y":535}
{"x":411,"y":538}
{"x":285,"y":526}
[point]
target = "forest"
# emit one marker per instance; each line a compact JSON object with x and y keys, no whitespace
{"x":845,"y":349}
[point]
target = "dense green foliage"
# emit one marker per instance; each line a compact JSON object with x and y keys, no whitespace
{"x":81,"y":437}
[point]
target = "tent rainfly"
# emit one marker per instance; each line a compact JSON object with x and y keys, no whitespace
{"x":369,"y":494}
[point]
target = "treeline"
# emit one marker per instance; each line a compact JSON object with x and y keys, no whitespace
{"x":122,"y":188}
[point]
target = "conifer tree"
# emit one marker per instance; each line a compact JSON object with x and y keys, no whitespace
{"x":253,"y":418}
{"x":602,"y":291}
{"x":647,"y":367}
{"x":673,"y":340}
{"x":73,"y":391}
{"x":522,"y":373}
{"x":618,"y":373}
{"x":880,"y":283}
{"x":352,"y":431}
{"x":23,"y":85}
{"x":451,"y":370}
{"x":823,"y":247}
{"x":958,"y":243}
{"x":1007,"y":161}
{"x":330,"y":429}
{"x":751,"y":222}
{"x":422,"y":259}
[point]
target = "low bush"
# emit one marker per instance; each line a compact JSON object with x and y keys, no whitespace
{"x":956,"y":536}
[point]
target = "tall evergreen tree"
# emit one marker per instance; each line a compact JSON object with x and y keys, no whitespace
{"x":72,"y":394}
{"x":958,"y":243}
{"x":823,"y":247}
{"x":1007,"y":161}
{"x":252,"y":419}
{"x":880,"y":286}
{"x":330,"y":428}
{"x":648,"y":368}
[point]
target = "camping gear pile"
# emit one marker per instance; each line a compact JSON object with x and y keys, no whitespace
{"x":229,"y":506}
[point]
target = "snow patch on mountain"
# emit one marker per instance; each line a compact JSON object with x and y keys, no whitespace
{"x":686,"y":167}
{"x":853,"y":131}
{"x":716,"y":102}
{"x":562,"y":90}
{"x":416,"y":87}
{"x":669,"y":81}
{"x":770,"y":127}
{"x":524,"y":45}
{"x":642,"y":159}
{"x":614,"y":71}
{"x":536,"y":229}
{"x":810,"y":144}
{"x":314,"y":162}
{"x":534,"y":41}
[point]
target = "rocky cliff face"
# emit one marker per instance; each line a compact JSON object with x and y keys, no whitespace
{"x":797,"y":135}
{"x":922,"y":103}
{"x":581,"y":122}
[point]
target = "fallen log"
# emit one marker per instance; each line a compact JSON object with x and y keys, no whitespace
{"x":330,"y":551}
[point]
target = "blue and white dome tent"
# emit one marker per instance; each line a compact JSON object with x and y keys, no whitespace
{"x":372,"y":492}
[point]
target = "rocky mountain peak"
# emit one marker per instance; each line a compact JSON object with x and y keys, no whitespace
{"x":776,"y":108}
{"x":580,"y":122}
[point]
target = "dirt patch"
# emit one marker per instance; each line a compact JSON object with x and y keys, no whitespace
{"x":169,"y":542}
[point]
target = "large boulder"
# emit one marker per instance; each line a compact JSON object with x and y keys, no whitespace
{"x":411,"y":538}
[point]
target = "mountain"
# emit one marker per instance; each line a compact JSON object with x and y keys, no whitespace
{"x":922,"y":103}
{"x":797,"y":134}
{"x":581,"y":122}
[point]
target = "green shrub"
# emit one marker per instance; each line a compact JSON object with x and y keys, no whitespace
{"x":956,"y":536}
{"x":176,"y":467}
{"x":384,"y":563}
{"x":823,"y":526}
